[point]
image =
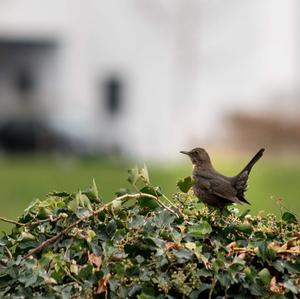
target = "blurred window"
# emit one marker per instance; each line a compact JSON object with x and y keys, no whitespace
{"x":24,"y":82}
{"x":113,"y":95}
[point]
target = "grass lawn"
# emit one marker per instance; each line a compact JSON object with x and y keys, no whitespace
{"x":23,"y":178}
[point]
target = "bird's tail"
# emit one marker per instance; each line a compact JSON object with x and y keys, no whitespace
{"x":249,"y":166}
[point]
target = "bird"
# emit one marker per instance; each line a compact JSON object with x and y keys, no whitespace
{"x":215,"y":189}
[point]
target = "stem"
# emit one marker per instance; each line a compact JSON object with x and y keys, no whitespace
{"x":243,"y":249}
{"x":213,"y":284}
{"x":172,"y":204}
{"x":240,"y":249}
{"x":9,"y":253}
{"x":288,"y":251}
{"x":50,"y":219}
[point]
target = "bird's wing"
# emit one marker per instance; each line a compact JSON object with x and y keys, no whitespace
{"x":218,"y":186}
{"x":241,"y":183}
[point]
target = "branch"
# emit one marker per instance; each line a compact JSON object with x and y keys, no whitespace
{"x":11,"y":221}
{"x":38,"y":222}
{"x":240,"y":249}
{"x":250,"y":250}
{"x":288,"y":251}
{"x":94,"y":213}
{"x":139,"y":195}
{"x":50,"y":219}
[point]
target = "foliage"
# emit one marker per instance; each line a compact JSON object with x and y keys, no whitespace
{"x":143,"y":245}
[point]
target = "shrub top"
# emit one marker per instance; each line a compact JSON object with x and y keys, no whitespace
{"x":142,"y":245}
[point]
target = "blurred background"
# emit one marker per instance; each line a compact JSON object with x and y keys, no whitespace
{"x":89,"y":88}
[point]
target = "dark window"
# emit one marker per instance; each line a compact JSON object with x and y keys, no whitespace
{"x":113,"y":95}
{"x":24,"y":81}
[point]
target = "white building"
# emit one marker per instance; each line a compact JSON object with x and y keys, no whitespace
{"x":147,"y":77}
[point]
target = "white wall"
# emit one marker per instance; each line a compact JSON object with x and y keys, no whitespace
{"x":184,"y":64}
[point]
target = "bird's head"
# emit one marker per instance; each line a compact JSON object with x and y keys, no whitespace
{"x":198,"y":156}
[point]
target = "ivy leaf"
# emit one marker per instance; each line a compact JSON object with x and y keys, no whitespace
{"x":83,"y":201}
{"x":147,"y":202}
{"x":133,"y":175}
{"x":293,"y":267}
{"x":265,"y":276}
{"x":28,"y":278}
{"x":185,"y":184}
{"x":59,"y":194}
{"x":244,"y":214}
{"x":200,"y":229}
{"x":244,"y":228}
{"x":92,"y":193}
{"x":144,"y":175}
{"x":164,"y":219}
{"x":136,"y":221}
{"x":291,"y":286}
{"x":85,"y":272}
{"x":289,"y":217}
{"x":183,"y":254}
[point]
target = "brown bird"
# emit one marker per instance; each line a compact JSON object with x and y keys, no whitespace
{"x":212,"y":187}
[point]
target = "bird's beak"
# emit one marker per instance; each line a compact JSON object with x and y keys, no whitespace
{"x":185,"y":152}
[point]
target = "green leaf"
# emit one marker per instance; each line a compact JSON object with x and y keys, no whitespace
{"x":183,"y":254}
{"x":244,"y":214}
{"x":293,"y":267}
{"x":147,"y":202}
{"x":265,"y":276}
{"x":111,"y":227}
{"x":92,"y":193}
{"x":144,"y":175}
{"x":28,"y":278}
{"x":116,"y":205}
{"x":73,"y":205}
{"x":83,"y":201}
{"x":200,"y":229}
{"x":164,"y":218}
{"x":82,"y":212}
{"x":262,"y":246}
{"x":185,"y":184}
{"x":290,"y":285}
{"x":244,"y":228}
{"x":289,"y":217}
{"x":26,"y":236}
{"x":85,"y":272}
{"x":44,"y":213}
{"x":136,"y":221}
{"x":133,"y":175}
{"x":59,"y":194}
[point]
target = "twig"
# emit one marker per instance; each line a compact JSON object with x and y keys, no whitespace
{"x":8,"y":252}
{"x":250,"y":250}
{"x":11,"y":221}
{"x":288,"y":251}
{"x":213,"y":284}
{"x":241,"y":249}
{"x":138,"y":195}
{"x":94,"y":213}
{"x":50,"y":219}
{"x":30,"y":223}
{"x":172,"y":204}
